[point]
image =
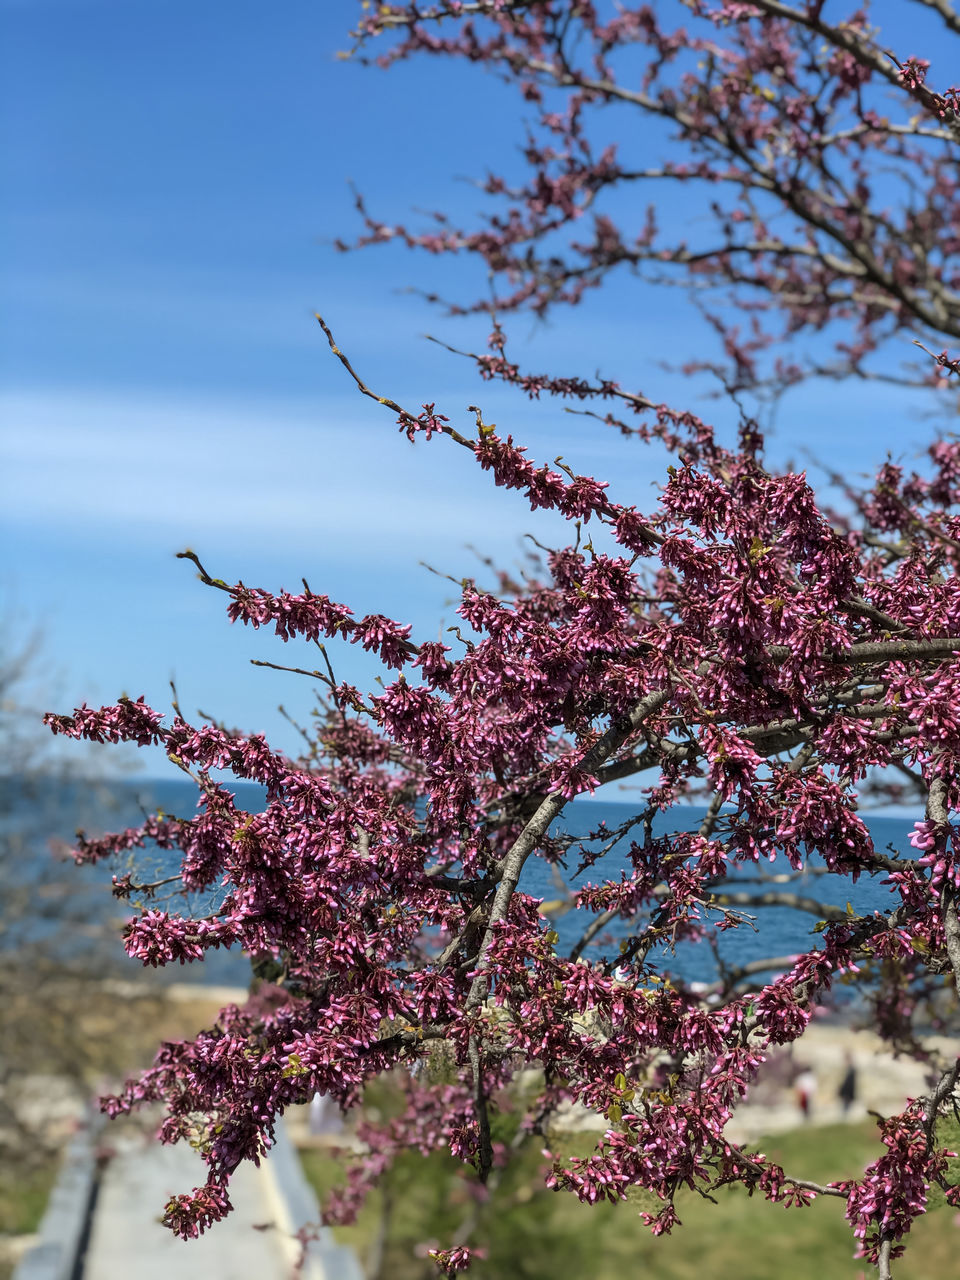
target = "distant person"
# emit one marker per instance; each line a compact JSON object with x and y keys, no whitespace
{"x":847,"y":1093}
{"x":806,"y":1087}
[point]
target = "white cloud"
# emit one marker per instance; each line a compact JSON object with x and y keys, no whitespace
{"x":194,"y":470}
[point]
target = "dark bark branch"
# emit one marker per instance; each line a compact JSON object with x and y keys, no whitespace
{"x":510,"y":867}
{"x":951,"y":929}
{"x":485,"y":1145}
{"x":938,"y":812}
{"x":883,"y":1260}
{"x":781,"y":898}
{"x":591,"y":931}
{"x":883,"y":651}
{"x":733,"y":976}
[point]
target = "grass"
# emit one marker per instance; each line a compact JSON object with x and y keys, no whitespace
{"x":23,"y":1197}
{"x":534,"y":1234}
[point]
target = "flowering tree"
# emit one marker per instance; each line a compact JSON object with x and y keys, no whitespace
{"x":736,"y":642}
{"x":822,"y":169}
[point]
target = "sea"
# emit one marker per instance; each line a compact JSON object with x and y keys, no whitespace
{"x":61,"y":907}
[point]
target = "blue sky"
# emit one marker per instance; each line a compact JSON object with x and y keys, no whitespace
{"x":175,"y":176}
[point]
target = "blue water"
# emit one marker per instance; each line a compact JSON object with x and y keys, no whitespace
{"x":782,"y":931}
{"x":778,"y":931}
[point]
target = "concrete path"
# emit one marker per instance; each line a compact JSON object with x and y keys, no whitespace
{"x":127,"y":1239}
{"x":108,"y":1226}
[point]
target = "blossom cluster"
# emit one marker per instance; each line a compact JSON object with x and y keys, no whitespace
{"x":754,"y":651}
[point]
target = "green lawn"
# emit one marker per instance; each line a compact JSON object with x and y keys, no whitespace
{"x":542,"y":1235}
{"x":23,"y":1197}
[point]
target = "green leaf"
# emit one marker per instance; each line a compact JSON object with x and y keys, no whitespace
{"x":294,"y":1067}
